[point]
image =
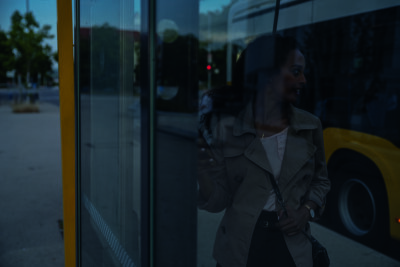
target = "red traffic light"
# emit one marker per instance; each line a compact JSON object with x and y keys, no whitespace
{"x":208,"y":67}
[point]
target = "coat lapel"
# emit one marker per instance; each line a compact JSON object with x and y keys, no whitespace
{"x":255,"y":152}
{"x":298,"y":150}
{"x":244,"y":128}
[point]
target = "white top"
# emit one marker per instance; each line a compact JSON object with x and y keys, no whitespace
{"x":275,"y":148}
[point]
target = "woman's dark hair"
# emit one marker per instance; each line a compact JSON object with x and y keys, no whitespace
{"x":266,"y":54}
{"x":263,"y":57}
{"x":283,"y":46}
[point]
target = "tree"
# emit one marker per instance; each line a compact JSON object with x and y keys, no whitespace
{"x":31,"y":56}
{"x":6,"y":56}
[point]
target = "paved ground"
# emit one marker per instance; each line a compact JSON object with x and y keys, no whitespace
{"x":31,"y":200}
{"x":343,"y":252}
{"x":31,"y":188}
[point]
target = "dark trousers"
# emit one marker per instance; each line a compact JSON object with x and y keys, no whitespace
{"x":268,"y":247}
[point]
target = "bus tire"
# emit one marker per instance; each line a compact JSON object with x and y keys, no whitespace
{"x":359,"y":207}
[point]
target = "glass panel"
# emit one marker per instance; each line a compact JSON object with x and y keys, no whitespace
{"x":215,"y":59}
{"x":109,"y":120}
{"x":176,"y":124}
{"x":224,"y":88}
{"x":347,"y":78}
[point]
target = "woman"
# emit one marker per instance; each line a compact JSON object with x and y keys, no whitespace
{"x":270,"y":138}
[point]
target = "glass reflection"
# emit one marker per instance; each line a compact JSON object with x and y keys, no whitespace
{"x":176,"y":101}
{"x":350,"y":86}
{"x":350,"y":71}
{"x":109,"y":135}
{"x":267,"y":142}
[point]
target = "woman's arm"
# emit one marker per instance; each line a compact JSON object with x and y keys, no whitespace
{"x":213,"y":191}
{"x":320,"y":184}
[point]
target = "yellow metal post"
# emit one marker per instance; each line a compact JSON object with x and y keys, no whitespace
{"x":67,"y":120}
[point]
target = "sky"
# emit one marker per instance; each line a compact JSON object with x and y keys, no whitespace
{"x":45,"y":12}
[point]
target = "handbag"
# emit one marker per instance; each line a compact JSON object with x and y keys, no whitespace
{"x":319,"y":252}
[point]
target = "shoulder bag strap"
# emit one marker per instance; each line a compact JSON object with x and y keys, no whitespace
{"x":282,"y":203}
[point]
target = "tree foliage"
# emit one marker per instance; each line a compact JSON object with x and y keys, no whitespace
{"x":6,"y":56}
{"x":31,"y":56}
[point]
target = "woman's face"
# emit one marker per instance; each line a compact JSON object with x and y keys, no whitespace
{"x":291,"y":78}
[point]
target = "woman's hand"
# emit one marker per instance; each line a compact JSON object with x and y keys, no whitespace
{"x":204,"y":163}
{"x":295,"y":220}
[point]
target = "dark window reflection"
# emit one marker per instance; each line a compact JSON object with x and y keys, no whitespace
{"x":351,"y":81}
{"x":109,"y":127}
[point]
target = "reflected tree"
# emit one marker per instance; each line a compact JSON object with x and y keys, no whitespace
{"x":177,"y":64}
{"x":6,"y":56}
{"x":101,"y":50}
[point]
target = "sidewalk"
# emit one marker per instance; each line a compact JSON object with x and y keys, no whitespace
{"x":31,"y":188}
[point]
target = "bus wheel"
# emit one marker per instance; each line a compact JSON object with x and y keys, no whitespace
{"x":362,"y":206}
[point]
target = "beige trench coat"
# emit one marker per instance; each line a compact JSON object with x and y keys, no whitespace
{"x":242,"y":186}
